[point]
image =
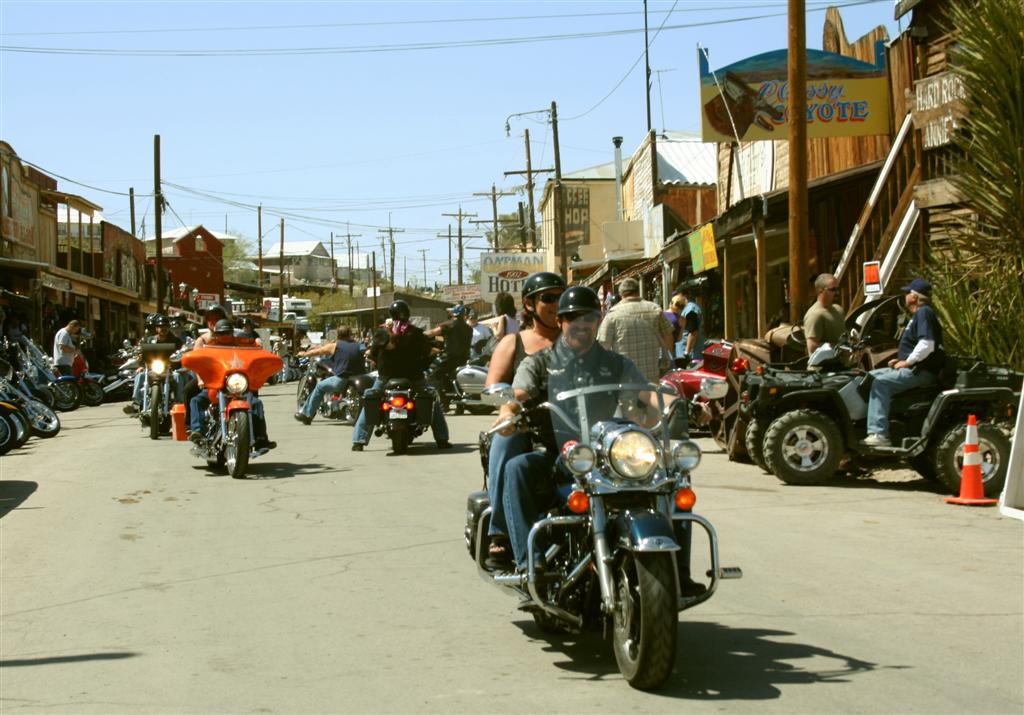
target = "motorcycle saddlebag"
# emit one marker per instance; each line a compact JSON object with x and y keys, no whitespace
{"x":476,"y":503}
{"x":424,"y":407}
{"x":371,"y":403}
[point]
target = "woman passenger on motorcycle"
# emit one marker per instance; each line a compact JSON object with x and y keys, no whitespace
{"x":539,"y":330}
{"x":191,"y":388}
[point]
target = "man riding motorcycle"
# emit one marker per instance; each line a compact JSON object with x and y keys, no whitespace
{"x":160,"y":327}
{"x":575,"y":360}
{"x":400,"y":351}
{"x":346,"y":362}
{"x":224,"y":333}
{"x":458,"y":337}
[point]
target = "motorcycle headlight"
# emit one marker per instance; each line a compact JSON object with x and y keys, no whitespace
{"x":633,"y":454}
{"x":579,"y":458}
{"x":237,"y":383}
{"x":685,"y":455}
{"x":158,"y":366}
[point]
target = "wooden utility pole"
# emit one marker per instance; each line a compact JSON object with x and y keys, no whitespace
{"x":423,"y":252}
{"x":559,"y":204}
{"x":373,"y":289}
{"x":391,"y":243}
{"x":280,"y":280}
{"x":449,"y":236}
{"x":131,"y":208}
{"x":259,"y":247}
{"x":460,"y":216}
{"x":530,"y":171}
{"x":494,"y":194}
{"x":334,"y":268}
{"x":158,"y":206}
{"x":798,"y":223}
{"x":647,"y":71}
{"x":348,"y":239}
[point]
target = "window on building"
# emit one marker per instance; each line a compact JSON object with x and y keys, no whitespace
{"x":200,"y":244}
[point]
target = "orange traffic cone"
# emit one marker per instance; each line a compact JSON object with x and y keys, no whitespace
{"x":972,"y":491}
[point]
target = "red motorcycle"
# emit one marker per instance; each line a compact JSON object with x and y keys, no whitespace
{"x":720,"y":364}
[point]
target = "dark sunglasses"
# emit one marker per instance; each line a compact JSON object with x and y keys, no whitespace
{"x":548,"y":298}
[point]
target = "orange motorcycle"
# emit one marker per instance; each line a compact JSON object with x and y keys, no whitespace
{"x":232,"y":370}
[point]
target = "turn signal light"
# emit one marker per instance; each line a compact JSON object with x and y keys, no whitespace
{"x":410,"y":405}
{"x":740,"y":366}
{"x":579,"y":502}
{"x":685,"y":499}
{"x":386,"y":406}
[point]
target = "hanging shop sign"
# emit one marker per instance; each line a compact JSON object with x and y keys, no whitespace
{"x":703,"y":256}
{"x":505,"y":272}
{"x":748,"y":100}
{"x":872,"y":278}
{"x":937,"y":108}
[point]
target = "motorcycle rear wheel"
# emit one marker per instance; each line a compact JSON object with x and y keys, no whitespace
{"x":92,"y":393}
{"x":351,"y":404}
{"x":236,"y":449}
{"x":399,"y":434}
{"x":645,"y":626}
{"x":155,"y":400}
{"x":66,"y":396}
{"x":306,"y":385}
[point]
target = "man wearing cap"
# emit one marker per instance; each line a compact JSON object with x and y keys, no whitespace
{"x":637,"y":329}
{"x":918,"y":361}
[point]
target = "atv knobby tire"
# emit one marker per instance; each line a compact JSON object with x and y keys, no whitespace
{"x":994,"y":448}
{"x":803,"y":447}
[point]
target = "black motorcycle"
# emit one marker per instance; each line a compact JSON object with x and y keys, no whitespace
{"x":160,"y":359}
{"x":402,"y":412}
{"x":614,"y":547}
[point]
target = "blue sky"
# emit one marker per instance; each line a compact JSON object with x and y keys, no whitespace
{"x":325,"y":112}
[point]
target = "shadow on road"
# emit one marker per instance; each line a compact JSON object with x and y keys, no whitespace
{"x":276,"y":470}
{"x":13,"y":493}
{"x":21,"y":662}
{"x":714,"y":662}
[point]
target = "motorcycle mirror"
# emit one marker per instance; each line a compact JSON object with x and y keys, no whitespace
{"x":498,"y":394}
{"x":713,"y":389}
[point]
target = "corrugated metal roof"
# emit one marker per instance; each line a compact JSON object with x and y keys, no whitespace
{"x":684,"y":159}
{"x":297,"y":248}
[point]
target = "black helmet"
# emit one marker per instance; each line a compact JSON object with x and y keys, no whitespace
{"x":579,"y":299}
{"x":224,"y":327}
{"x":216,"y":310}
{"x":542,"y":281}
{"x":150,"y":318}
{"x":399,"y":310}
{"x":159,"y":319}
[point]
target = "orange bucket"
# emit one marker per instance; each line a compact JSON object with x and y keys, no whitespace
{"x":178,"y":421}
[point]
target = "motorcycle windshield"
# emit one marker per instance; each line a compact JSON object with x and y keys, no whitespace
{"x":574,"y":413}
{"x":213,"y":362}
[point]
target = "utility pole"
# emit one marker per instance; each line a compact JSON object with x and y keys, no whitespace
{"x":423,"y":252}
{"x":131,"y":208}
{"x":441,"y":235}
{"x":530,"y":171}
{"x":280,"y":280}
{"x":374,"y":289}
{"x":798,"y":222}
{"x":522,"y":228}
{"x":334,"y":268}
{"x":494,"y":194}
{"x":158,"y":205}
{"x":559,"y":204}
{"x":460,"y":216}
{"x":348,"y":239}
{"x":647,"y":71}
{"x":259,"y":246}
{"x":391,"y":242}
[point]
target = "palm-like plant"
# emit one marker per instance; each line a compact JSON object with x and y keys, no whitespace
{"x":980,"y":276}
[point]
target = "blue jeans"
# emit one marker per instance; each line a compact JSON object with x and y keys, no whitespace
{"x":529,"y":491}
{"x":327,"y":386}
{"x":888,"y":383}
{"x":503,"y":449}
{"x":197,"y":408}
{"x":140,"y":377}
{"x":364,"y":425}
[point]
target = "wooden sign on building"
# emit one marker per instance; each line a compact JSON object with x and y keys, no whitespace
{"x":937,"y":107}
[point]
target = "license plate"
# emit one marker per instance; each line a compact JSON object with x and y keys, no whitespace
{"x":397,"y":413}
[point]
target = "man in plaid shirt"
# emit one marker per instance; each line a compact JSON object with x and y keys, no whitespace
{"x":637,"y":329}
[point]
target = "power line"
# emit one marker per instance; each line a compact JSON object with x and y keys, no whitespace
{"x":388,"y":48}
{"x":384,"y":23}
{"x":79,"y":183}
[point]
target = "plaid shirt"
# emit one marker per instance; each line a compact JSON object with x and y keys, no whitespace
{"x":635,"y":328}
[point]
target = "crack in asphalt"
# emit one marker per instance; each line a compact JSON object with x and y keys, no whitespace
{"x":287,"y":564}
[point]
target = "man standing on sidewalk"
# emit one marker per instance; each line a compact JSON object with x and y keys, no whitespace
{"x":637,"y":329}
{"x":65,"y":348}
{"x":346,"y":362}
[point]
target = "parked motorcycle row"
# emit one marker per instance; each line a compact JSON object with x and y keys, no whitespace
{"x":29,"y":393}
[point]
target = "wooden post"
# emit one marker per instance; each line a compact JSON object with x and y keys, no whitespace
{"x":259,"y":244}
{"x":762,"y":277}
{"x":158,"y":200}
{"x":797,"y":77}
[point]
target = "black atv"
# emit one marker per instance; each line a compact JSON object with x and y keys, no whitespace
{"x":803,"y":423}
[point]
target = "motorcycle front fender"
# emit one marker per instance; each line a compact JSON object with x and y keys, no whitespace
{"x":642,"y":531}
{"x":236,"y":405}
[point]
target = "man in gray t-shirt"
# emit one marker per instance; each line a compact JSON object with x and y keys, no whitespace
{"x":64,"y":347}
{"x":824,"y":321}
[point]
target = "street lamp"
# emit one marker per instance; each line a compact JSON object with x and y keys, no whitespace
{"x":195,"y":296}
{"x":183,"y":293}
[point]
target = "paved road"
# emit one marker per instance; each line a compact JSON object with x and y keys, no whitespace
{"x":338,"y":582}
